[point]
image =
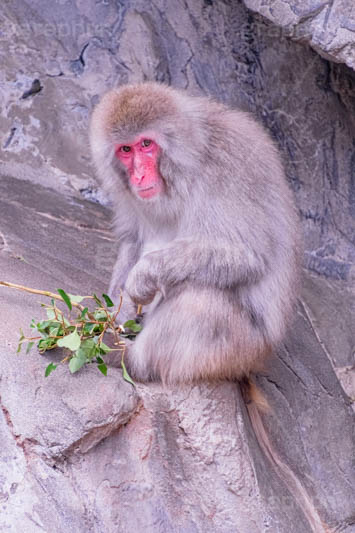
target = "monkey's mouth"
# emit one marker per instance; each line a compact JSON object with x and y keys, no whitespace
{"x":148,"y":192}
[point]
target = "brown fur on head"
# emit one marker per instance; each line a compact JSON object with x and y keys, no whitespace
{"x":171,"y":118}
{"x":132,"y":109}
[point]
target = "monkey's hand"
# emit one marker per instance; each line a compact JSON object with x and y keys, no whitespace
{"x":141,"y":283}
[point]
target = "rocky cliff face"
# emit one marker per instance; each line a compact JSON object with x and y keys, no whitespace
{"x":329,"y":27}
{"x":90,"y":453}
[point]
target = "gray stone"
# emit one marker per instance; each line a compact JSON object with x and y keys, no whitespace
{"x":329,"y":27}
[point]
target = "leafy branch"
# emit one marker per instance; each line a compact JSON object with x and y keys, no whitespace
{"x":81,"y":335}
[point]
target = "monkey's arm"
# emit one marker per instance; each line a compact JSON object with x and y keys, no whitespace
{"x":217,"y":264}
{"x":127,"y":257}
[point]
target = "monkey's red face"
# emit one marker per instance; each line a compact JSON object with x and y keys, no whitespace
{"x":141,"y":160}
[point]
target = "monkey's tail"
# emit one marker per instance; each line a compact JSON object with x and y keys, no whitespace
{"x":257,"y":403}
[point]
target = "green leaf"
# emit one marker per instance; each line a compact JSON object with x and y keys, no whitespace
{"x":20,"y":341}
{"x":43,"y":327}
{"x":50,"y":313}
{"x":89,"y":328}
{"x":88,"y":349}
{"x":33,"y":323}
{"x":97,"y":300}
{"x":76,"y":363}
{"x":132,"y":325}
{"x":50,"y":369}
{"x":66,"y":298}
{"x":104,"y":348}
{"x":76,"y":298}
{"x":103,"y":368}
{"x":71,"y":341}
{"x":29,"y":347}
{"x":108,"y":300}
{"x":56,"y":331}
{"x":129,"y":323}
{"x":125,"y":374}
{"x":83,"y":313}
{"x":45,"y":344}
{"x":42,"y":345}
{"x":99,"y":360}
{"x":100,"y":315}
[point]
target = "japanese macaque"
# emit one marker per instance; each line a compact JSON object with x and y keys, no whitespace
{"x":209,"y":241}
{"x":208,"y":232}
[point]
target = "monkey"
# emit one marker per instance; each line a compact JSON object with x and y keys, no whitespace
{"x":209,"y":241}
{"x":207,"y":228}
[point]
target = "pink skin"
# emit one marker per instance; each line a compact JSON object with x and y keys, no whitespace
{"x":142,"y":165}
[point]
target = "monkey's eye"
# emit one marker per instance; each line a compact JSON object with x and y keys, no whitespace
{"x":125,"y":149}
{"x":146,"y":143}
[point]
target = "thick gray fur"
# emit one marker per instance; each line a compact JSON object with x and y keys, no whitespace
{"x":217,"y":253}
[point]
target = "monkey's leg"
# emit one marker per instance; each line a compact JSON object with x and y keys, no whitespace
{"x":195,"y":335}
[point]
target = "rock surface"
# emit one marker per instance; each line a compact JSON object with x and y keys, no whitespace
{"x":91,"y":454}
{"x":329,"y":27}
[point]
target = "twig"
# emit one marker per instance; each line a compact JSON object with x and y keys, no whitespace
{"x":43,"y":293}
